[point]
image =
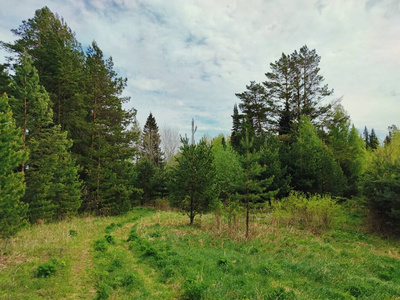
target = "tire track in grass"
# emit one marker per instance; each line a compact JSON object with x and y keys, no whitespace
{"x":119,"y":271}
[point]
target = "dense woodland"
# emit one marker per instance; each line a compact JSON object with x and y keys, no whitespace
{"x":68,"y":147}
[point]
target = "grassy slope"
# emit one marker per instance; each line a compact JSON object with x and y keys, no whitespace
{"x":155,"y":255}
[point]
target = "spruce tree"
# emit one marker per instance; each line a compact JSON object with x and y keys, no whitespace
{"x":12,"y":187}
{"x":366,"y":137}
{"x":151,"y":143}
{"x":236,"y":129}
{"x":53,"y":189}
{"x":373,"y":140}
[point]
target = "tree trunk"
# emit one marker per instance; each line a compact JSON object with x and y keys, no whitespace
{"x":247,"y":212}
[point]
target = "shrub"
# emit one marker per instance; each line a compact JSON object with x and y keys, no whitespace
{"x":73,"y":233}
{"x":313,"y":212}
{"x":101,"y":245}
{"x":50,"y":268}
{"x":110,"y":239}
{"x":193,"y":289}
{"x":381,"y":187}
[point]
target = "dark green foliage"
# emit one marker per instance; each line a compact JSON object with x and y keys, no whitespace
{"x":12,"y":187}
{"x":73,"y":232}
{"x":381,"y":186}
{"x":193,"y":289}
{"x":50,"y":268}
{"x":193,"y":181}
{"x":53,"y":188}
{"x":108,"y":167}
{"x":373,"y":140}
{"x":151,"y":143}
{"x":254,"y":187}
{"x":146,"y":180}
{"x":110,"y":239}
{"x":101,"y":245}
{"x":311,"y":163}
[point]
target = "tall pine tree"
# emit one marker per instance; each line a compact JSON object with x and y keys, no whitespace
{"x":108,"y":166}
{"x":53,"y":188}
{"x":12,"y":187}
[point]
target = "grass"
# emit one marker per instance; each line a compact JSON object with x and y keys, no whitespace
{"x":148,"y":254}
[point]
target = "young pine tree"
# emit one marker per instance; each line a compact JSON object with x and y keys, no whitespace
{"x":12,"y":187}
{"x":193,"y":182}
{"x":255,"y":188}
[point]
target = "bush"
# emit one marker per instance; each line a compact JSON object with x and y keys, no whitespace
{"x":50,"y":268}
{"x":110,"y":239}
{"x":314,"y":212}
{"x":73,"y":233}
{"x":193,"y":289}
{"x":101,"y":245}
{"x":381,"y":187}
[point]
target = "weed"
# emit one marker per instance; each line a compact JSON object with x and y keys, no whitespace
{"x":73,"y":233}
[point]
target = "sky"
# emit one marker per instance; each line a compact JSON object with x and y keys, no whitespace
{"x":186,"y":59}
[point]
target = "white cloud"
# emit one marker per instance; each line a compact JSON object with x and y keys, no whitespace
{"x":187,"y":59}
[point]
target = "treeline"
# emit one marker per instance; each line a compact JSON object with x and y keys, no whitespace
{"x":68,"y":146}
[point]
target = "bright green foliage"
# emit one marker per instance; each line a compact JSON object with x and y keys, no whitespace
{"x":193,"y":179}
{"x":108,"y":165}
{"x":348,"y":149}
{"x":314,"y":212}
{"x":381,"y":185}
{"x":229,"y":175}
{"x":12,"y":187}
{"x":151,"y":142}
{"x":228,"y":169}
{"x":53,"y":188}
{"x":312,"y":165}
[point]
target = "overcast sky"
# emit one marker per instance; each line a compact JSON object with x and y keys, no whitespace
{"x":187,"y":59}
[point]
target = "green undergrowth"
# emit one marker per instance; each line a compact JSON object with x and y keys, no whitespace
{"x":148,"y":254}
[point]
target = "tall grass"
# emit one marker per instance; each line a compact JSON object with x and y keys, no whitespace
{"x":149,"y":254}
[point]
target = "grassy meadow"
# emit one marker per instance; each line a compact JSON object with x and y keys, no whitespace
{"x":150,"y":254}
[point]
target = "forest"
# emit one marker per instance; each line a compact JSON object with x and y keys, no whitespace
{"x":69,"y":150}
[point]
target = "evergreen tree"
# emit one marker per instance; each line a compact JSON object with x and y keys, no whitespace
{"x":296,"y":88}
{"x":53,"y":189}
{"x":4,"y":79}
{"x":12,"y":187}
{"x":108,"y":165}
{"x":59,"y":59}
{"x":254,"y":187}
{"x":373,"y":140}
{"x":311,"y":163}
{"x":151,"y":142}
{"x":236,"y":133}
{"x":193,"y":182}
{"x":255,"y":107}
{"x":366,"y":137}
{"x":146,"y":180}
